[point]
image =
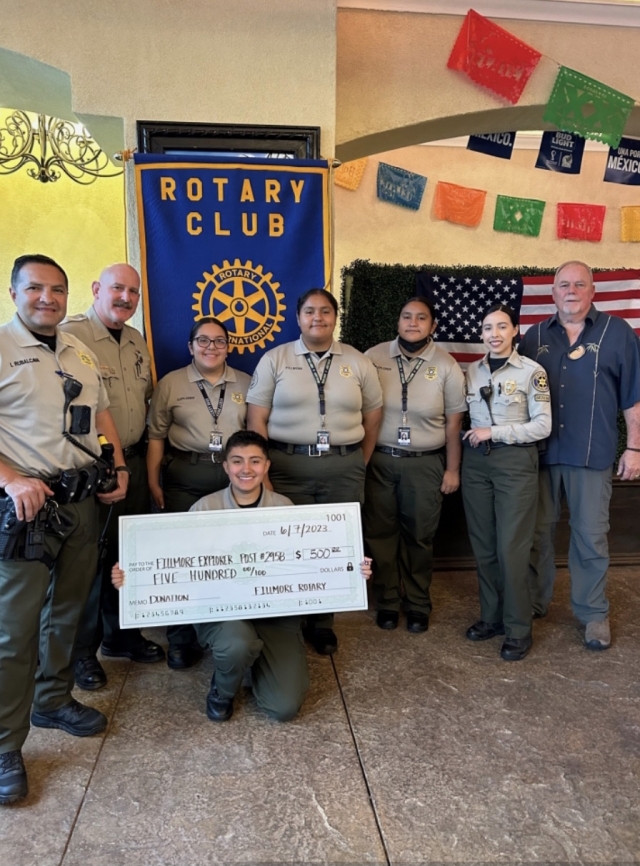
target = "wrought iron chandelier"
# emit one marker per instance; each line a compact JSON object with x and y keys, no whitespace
{"x":63,"y":148}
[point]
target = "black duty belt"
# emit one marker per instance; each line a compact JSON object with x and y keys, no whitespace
{"x":401,"y":452}
{"x":311,"y":450}
{"x":136,"y":450}
{"x":194,"y":457}
{"x":495,"y":445}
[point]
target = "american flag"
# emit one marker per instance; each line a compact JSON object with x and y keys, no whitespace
{"x":461,"y":301}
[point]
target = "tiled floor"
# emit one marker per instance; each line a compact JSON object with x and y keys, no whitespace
{"x":410,"y":749}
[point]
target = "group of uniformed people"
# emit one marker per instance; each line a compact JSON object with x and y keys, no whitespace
{"x":383,"y":429}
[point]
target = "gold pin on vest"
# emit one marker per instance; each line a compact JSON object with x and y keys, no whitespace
{"x":578,"y":352}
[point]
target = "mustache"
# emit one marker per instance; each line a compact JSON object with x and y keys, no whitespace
{"x":124,"y":305}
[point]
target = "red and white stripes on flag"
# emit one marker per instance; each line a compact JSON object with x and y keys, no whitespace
{"x":617,"y":293}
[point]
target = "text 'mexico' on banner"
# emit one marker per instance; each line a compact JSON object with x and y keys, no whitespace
{"x":238,"y":239}
{"x":493,"y":144}
{"x":623,"y":163}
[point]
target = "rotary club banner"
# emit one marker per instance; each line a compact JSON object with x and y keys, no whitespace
{"x":493,"y":57}
{"x":520,"y":216}
{"x":238,"y":239}
{"x":586,"y":106}
{"x":630,"y":224}
{"x":580,"y":222}
{"x":459,"y":204}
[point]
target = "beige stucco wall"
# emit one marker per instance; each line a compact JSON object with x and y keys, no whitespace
{"x":212,"y":61}
{"x":368,"y":228}
{"x":394,"y":88}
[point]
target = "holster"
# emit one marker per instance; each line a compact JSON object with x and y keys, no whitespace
{"x":11,"y":529}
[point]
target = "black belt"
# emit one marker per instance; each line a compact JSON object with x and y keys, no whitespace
{"x":74,"y":485}
{"x":311,"y":450}
{"x":495,"y":445}
{"x":400,"y":452}
{"x":194,"y":457}
{"x":136,"y":450}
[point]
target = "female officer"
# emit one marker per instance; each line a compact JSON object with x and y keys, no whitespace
{"x":319,"y":404}
{"x":195,"y":408}
{"x":508,"y":399}
{"x":415,"y":461}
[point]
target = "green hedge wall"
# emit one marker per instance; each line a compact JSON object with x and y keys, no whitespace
{"x":372,"y":295}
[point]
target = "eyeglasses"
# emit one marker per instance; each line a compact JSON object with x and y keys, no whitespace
{"x":205,"y":342}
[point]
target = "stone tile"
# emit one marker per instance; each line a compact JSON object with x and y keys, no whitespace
{"x":173,"y":787}
{"x":59,"y":767}
{"x":472,"y":759}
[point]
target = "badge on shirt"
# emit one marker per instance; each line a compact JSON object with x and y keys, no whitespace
{"x":509,"y":387}
{"x":237,"y":398}
{"x":431,"y":373}
{"x":86,"y":359}
{"x":578,"y":352}
{"x":541,"y":382}
{"x":345,"y":370}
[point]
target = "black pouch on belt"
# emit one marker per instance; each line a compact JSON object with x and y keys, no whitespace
{"x":11,"y":529}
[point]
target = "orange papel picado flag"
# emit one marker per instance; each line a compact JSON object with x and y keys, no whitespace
{"x":349,"y":174}
{"x":459,"y":204}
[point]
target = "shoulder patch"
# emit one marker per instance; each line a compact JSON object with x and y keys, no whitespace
{"x":541,"y":382}
{"x":254,"y":380}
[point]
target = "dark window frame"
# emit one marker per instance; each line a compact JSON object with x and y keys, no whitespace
{"x":300,"y":142}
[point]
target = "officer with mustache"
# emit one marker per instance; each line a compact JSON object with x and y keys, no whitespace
{"x":126,"y":372}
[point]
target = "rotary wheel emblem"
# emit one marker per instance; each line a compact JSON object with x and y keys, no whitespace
{"x":245,"y":299}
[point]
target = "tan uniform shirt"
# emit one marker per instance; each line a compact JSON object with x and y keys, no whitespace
{"x":520,"y":401}
{"x":179,"y":413}
{"x":223,"y":499}
{"x":32,"y":401}
{"x":125,"y":368}
{"x":437,"y":390}
{"x":284,"y":383}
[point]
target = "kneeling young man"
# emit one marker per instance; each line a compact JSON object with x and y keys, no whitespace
{"x":273,"y":648}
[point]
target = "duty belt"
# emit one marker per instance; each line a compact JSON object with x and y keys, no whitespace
{"x":74,"y":485}
{"x":311,"y":450}
{"x":194,"y":457}
{"x":135,"y":450}
{"x":400,"y":452}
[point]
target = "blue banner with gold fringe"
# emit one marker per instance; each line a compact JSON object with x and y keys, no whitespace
{"x":239,"y":239}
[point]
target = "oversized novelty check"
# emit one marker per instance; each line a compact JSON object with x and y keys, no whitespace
{"x":241,"y":564}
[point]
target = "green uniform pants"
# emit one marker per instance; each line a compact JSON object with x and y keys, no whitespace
{"x":101,"y":617}
{"x":400,"y":517}
{"x":183,"y":483}
{"x":325,"y":480}
{"x":39,"y":617}
{"x":274,"y":651}
{"x":587,"y":493}
{"x":500,"y":496}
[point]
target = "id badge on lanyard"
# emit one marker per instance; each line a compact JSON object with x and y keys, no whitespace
{"x":404,"y":431}
{"x":323,"y":436}
{"x":216,"y":444}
